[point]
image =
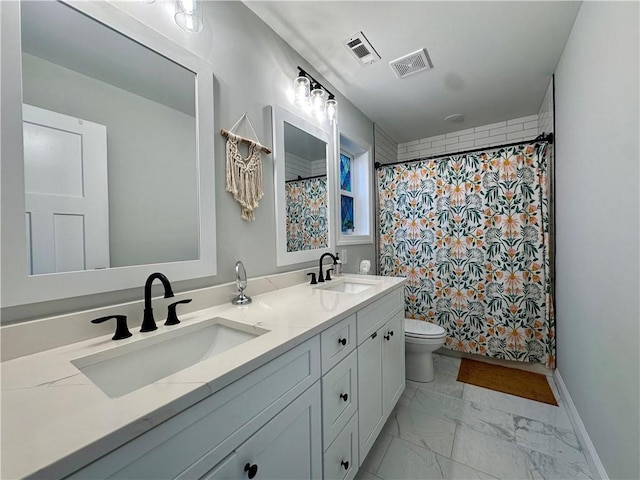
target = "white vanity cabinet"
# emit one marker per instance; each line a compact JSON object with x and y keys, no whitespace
{"x":311,"y":413}
{"x":381,"y":373}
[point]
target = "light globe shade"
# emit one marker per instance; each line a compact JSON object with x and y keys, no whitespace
{"x":318,"y":105}
{"x":301,"y":92}
{"x":332,"y":111}
{"x":189,"y":15}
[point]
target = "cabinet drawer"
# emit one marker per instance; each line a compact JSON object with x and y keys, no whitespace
{"x":337,"y":342}
{"x":373,"y":316}
{"x":339,"y":397}
{"x":213,"y":427}
{"x":288,"y":447}
{"x":341,"y":460}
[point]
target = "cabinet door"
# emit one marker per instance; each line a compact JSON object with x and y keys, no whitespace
{"x":370,"y":406}
{"x":288,"y":447}
{"x":393,"y":380}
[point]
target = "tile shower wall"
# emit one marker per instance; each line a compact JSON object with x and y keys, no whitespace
{"x":484,"y":136}
{"x":545,"y":115}
{"x":546,"y":125}
{"x":386,"y":148}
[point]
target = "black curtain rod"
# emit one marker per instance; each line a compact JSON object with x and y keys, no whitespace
{"x":543,"y":137}
{"x":305,"y":178}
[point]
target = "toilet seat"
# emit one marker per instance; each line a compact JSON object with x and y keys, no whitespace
{"x":420,"y":329}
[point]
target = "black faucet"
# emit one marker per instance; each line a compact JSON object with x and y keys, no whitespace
{"x":320,"y":275}
{"x":148,"y":322}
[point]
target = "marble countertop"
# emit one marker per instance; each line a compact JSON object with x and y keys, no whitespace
{"x":55,"y":420}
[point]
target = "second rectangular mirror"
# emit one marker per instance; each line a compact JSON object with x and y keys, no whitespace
{"x":304,"y":156}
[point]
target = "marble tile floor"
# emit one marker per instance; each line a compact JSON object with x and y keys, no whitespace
{"x":450,"y":430}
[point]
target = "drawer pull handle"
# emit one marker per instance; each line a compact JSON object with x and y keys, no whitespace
{"x":344,"y":396}
{"x":387,"y":337}
{"x":345,"y":464}
{"x":342,"y":341}
{"x":252,"y":469}
{"x":391,"y":333}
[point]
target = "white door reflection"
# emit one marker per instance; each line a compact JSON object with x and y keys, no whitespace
{"x":66,"y":187}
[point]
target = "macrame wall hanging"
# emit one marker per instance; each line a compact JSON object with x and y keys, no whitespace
{"x":244,"y":174}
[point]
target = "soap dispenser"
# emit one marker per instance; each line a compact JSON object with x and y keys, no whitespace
{"x":337,"y":267}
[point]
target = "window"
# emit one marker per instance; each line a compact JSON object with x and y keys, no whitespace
{"x":346,"y":194}
{"x":353,"y":206}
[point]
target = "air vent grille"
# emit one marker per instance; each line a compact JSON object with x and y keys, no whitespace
{"x":413,"y":63}
{"x":360,"y":47}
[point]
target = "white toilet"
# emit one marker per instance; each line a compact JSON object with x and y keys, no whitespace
{"x":421,"y":340}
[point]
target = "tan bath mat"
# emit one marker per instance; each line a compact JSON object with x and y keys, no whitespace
{"x":529,"y":385}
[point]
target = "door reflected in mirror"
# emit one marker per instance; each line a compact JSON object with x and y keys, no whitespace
{"x":110,"y":147}
{"x":305,"y":190}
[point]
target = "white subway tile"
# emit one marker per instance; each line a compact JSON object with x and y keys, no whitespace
{"x":459,"y":146}
{"x":459,"y":132}
{"x":490,"y":126}
{"x":474,"y":136}
{"x":424,"y":141}
{"x":408,"y":155}
{"x":509,"y":129}
{"x":437,"y":137}
{"x":523,"y":134}
{"x":413,"y":148}
{"x":516,"y":135}
{"x":528,"y":118}
{"x":530,"y":133}
{"x":402,"y":150}
{"x":490,"y":140}
{"x":446,"y":141}
{"x":533,"y":124}
{"x":431,"y":151}
{"x":408,"y":144}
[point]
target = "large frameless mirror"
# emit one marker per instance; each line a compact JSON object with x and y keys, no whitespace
{"x":304,"y":154}
{"x":113,"y":175}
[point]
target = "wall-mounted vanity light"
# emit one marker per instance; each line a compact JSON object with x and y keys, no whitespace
{"x":189,"y":15}
{"x":301,"y":89}
{"x":319,"y":100}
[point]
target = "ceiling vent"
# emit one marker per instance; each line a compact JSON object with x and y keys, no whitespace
{"x":413,"y":63}
{"x":360,"y":47}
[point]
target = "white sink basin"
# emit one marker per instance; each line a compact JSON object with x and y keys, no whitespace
{"x":126,"y":368}
{"x":349,"y":285}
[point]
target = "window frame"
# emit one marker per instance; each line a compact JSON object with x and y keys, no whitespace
{"x":361,"y":154}
{"x":346,"y":193}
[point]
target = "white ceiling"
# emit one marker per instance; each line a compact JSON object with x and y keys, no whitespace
{"x":492,"y":60}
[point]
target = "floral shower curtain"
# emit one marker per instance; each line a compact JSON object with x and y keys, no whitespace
{"x":471,"y":234}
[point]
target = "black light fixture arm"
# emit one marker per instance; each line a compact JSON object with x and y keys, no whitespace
{"x":303,"y":73}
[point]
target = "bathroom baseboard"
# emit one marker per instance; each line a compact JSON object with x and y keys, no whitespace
{"x":597,"y":468}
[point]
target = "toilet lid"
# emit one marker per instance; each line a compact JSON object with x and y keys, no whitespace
{"x":420,"y":328}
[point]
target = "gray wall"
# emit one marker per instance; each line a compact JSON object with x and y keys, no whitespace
{"x":254,"y":69}
{"x":597,"y":208}
{"x":153,"y":207}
